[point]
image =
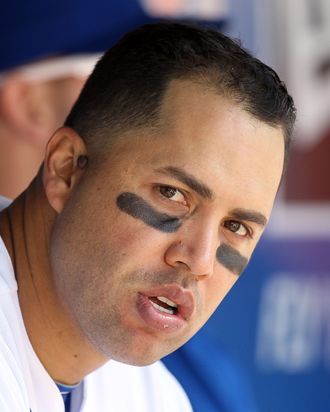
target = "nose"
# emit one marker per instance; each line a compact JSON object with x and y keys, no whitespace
{"x":194,"y":250}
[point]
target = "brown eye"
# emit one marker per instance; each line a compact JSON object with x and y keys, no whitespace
{"x":236,"y":227}
{"x":172,"y":193}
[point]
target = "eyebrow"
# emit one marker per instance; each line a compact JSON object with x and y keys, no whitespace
{"x":195,"y":184}
{"x":249,"y":215}
{"x":203,"y":190}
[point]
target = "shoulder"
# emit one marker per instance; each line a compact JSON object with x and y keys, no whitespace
{"x":4,"y":202}
{"x":21,"y":371}
{"x":142,"y":389}
{"x":7,"y":277}
{"x":13,"y":395}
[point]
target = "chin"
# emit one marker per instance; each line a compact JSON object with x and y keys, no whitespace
{"x":143,"y":359}
{"x":143,"y":356}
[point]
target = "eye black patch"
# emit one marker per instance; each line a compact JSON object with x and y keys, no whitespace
{"x":138,"y":208}
{"x":231,"y":259}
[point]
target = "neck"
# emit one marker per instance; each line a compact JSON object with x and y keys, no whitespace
{"x":55,"y":336}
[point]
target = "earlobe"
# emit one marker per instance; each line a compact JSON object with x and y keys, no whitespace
{"x":63,"y":166}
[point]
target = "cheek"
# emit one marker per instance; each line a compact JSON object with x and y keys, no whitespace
{"x":215,"y":289}
{"x":136,"y":241}
{"x":231,"y":259}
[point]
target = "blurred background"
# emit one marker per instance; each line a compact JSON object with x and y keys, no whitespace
{"x":267,"y":348}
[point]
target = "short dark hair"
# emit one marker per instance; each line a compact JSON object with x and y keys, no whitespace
{"x":126,"y":88}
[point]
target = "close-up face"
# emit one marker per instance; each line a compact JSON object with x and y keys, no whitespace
{"x":151,"y":240}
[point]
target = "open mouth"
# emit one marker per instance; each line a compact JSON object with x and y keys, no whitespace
{"x":164,"y":305}
{"x":167,"y":308}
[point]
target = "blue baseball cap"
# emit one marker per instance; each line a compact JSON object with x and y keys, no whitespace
{"x":37,"y":29}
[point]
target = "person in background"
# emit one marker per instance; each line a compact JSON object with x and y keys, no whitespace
{"x":34,"y":101}
{"x":46,"y":53}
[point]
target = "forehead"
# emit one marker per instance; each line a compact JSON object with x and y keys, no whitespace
{"x":213,"y":139}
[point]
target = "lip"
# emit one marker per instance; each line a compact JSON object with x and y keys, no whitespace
{"x":166,"y":322}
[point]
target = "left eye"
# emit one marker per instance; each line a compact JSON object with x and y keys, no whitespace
{"x":236,"y":227}
{"x":172,"y":193}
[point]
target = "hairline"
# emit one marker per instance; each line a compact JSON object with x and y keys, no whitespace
{"x":154,"y":126}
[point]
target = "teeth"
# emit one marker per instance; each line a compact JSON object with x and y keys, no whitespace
{"x":167,"y":301}
{"x":161,"y":309}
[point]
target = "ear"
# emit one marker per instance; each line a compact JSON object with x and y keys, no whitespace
{"x":26,"y":109}
{"x":62,"y":170}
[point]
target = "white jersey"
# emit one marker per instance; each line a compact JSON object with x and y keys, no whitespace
{"x":26,"y":386}
{"x":4,"y":202}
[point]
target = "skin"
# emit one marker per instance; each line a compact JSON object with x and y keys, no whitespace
{"x":29,"y":112}
{"x":83,"y":256}
{"x":231,"y":259}
{"x":136,"y":207}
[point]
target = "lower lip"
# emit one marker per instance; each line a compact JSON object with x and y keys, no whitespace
{"x":155,"y":319}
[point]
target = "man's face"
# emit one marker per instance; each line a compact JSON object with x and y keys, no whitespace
{"x":151,"y":241}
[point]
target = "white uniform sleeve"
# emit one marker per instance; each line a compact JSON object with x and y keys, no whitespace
{"x":13,"y":396}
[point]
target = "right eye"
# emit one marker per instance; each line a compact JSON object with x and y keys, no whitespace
{"x":173,"y":194}
{"x":237,"y":227}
